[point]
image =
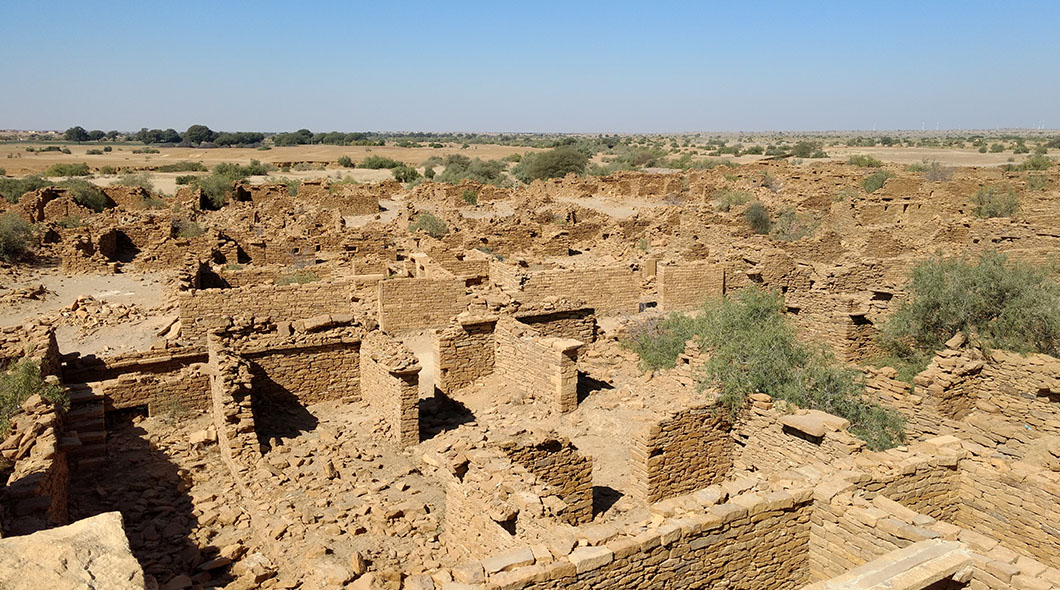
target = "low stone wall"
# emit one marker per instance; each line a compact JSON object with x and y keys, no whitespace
{"x":686,"y":451}
{"x":390,"y":386}
{"x":577,"y":323}
{"x":36,"y":343}
{"x":198,"y":309}
{"x":685,"y":286}
{"x":464,"y":352}
{"x":609,"y":290}
{"x":233,"y":413}
{"x":311,"y":373}
{"x":408,"y":305}
{"x":768,"y":440}
{"x":540,"y":367}
{"x":558,"y":463}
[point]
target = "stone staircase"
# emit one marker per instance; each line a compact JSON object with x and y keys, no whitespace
{"x":85,"y":440}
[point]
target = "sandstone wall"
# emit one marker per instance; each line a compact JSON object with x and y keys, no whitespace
{"x":542,"y":368}
{"x":577,"y":323}
{"x":608,"y":290}
{"x":689,"y":450}
{"x":464,"y":352}
{"x":769,"y":440}
{"x":408,"y":305}
{"x":199,"y":308}
{"x":558,"y":463}
{"x":390,"y":386}
{"x":686,"y":285}
{"x":312,"y":373}
{"x":232,"y":404}
{"x":37,"y":488}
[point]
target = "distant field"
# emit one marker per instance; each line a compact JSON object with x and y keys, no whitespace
{"x":17,"y":161}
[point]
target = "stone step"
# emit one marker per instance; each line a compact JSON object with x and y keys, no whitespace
{"x":87,"y":463}
{"x":85,"y":411}
{"x":79,"y":393}
{"x":69,"y":441}
{"x":92,"y":436}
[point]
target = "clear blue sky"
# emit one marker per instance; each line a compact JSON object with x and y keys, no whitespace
{"x":529,"y":66}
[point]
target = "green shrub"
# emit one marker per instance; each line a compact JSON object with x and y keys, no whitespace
{"x":997,"y":148}
{"x":757,"y":217}
{"x":108,"y":170}
{"x":135,"y":179}
{"x":1007,"y":305}
{"x":183,"y":166}
{"x":404,"y":173}
{"x":864,"y":161}
{"x":516,"y":157}
{"x":460,"y":168}
{"x":86,"y":194}
{"x":16,"y":237}
{"x":753,"y":348}
{"x":660,"y":340}
{"x":297,"y":278}
{"x":378,"y":162}
{"x":12,"y":189}
{"x":186,"y":179}
{"x":1037,"y":182}
{"x":66,"y":169}
{"x":874,"y":182}
{"x":1036,"y":162}
{"x":345,"y":161}
{"x":995,"y":201}
{"x":725,"y":200}
{"x":294,"y":183}
{"x":791,"y":226}
{"x":238,"y":172}
{"x":554,"y":163}
{"x":184,"y":228}
{"x":146,"y":150}
{"x":94,"y":152}
{"x":808,"y":149}
{"x":70,"y":221}
{"x":433,"y":226}
{"x":18,"y":383}
{"x":470,"y":197}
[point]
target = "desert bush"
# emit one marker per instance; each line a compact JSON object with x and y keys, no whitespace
{"x":864,"y":161}
{"x":808,"y":149}
{"x":297,"y":278}
{"x":660,"y":340}
{"x":16,"y":237}
{"x":94,"y":152}
{"x":470,"y":197}
{"x":186,"y":179}
{"x":757,"y":217}
{"x":12,"y":189}
{"x":725,"y":200}
{"x":460,"y":168}
{"x":790,"y":226}
{"x":404,"y":173}
{"x":216,"y":188}
{"x":428,"y":173}
{"x":995,"y":201}
{"x":108,"y":170}
{"x":184,"y":228}
{"x":183,"y":166}
{"x":1037,"y":182}
{"x":997,"y":148}
{"x":1035,"y":162}
{"x":378,"y":162}
{"x":20,"y":381}
{"x":3,"y":172}
{"x":936,"y":172}
{"x":134,"y":179}
{"x":67,"y":169}
{"x":70,"y":221}
{"x":294,"y":183}
{"x":431,"y":225}
{"x":346,"y":162}
{"x":874,"y":182}
{"x":86,"y":194}
{"x":554,"y":163}
{"x":1002,"y":304}
{"x":516,"y":157}
{"x":239,"y":172}
{"x":146,"y":150}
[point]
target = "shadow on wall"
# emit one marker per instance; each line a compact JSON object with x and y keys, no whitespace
{"x":278,"y":413}
{"x":604,"y":498}
{"x":441,"y":413}
{"x":144,"y":485}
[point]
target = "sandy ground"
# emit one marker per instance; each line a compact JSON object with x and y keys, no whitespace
{"x":146,"y":292}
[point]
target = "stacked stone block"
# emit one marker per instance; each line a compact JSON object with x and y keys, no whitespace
{"x":540,"y":367}
{"x":390,"y":386}
{"x":409,"y":304}
{"x":558,"y":463}
{"x":685,"y":286}
{"x":464,"y":352}
{"x":688,"y":450}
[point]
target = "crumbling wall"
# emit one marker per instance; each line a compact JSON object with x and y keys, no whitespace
{"x":688,"y":450}
{"x":38,"y":486}
{"x":198,"y":309}
{"x":686,"y":285}
{"x":390,"y":386}
{"x":769,"y":440}
{"x":233,"y":413}
{"x":35,"y":342}
{"x":408,"y":304}
{"x":464,"y":352}
{"x":609,"y":290}
{"x":575,"y":322}
{"x":558,"y":463}
{"x":312,"y":373}
{"x":839,"y":321}
{"x":540,"y":367}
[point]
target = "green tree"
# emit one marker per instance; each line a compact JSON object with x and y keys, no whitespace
{"x":76,"y":133}
{"x":554,"y":163}
{"x":197,"y":134}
